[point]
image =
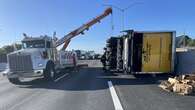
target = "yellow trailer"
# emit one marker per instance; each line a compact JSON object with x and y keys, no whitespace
{"x":149,"y":52}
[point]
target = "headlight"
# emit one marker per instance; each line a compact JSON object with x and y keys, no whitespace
{"x":40,"y":64}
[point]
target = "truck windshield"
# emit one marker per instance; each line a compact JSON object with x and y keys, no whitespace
{"x":34,"y":44}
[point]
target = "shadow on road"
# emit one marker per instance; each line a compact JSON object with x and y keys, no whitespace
{"x":91,"y":79}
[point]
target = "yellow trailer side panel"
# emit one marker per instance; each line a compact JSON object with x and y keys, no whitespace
{"x":156,"y":52}
{"x":150,"y":54}
{"x":166,"y":52}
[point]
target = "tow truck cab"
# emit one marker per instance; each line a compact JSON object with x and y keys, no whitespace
{"x":37,"y":58}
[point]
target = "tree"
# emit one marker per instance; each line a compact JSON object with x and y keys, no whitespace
{"x":9,"y":48}
{"x":185,"y":41}
{"x":2,"y":51}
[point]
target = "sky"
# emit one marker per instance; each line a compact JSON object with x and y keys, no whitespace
{"x":43,"y":17}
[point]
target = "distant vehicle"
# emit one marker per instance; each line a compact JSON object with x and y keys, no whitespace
{"x":82,"y":57}
{"x":87,"y":55}
{"x":40,"y":57}
{"x":97,"y":56}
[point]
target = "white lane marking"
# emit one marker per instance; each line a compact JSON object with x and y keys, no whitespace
{"x":116,"y":101}
{"x":56,"y":80}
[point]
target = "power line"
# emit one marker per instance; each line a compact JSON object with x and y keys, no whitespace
{"x":123,"y":11}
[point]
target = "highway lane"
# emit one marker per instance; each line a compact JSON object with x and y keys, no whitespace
{"x":77,"y":91}
{"x":88,"y":90}
{"x":143,"y":93}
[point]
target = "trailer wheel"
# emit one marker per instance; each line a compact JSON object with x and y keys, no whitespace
{"x":14,"y":80}
{"x":49,"y":72}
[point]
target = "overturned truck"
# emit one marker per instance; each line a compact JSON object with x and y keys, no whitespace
{"x":141,"y":52}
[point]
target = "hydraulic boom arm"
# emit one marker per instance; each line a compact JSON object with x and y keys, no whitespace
{"x":67,"y":38}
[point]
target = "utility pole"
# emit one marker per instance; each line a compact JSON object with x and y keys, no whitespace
{"x":184,"y":42}
{"x":123,"y":10}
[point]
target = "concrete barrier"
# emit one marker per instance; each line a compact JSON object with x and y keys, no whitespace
{"x":185,"y":62}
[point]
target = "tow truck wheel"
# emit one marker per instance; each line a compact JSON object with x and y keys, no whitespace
{"x":14,"y":80}
{"x":49,"y":73}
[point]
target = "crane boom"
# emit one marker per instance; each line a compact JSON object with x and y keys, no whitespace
{"x":67,"y":38}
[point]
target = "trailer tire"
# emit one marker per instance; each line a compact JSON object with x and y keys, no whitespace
{"x":49,"y":72}
{"x":14,"y":80}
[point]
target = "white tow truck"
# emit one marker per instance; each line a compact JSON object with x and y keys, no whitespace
{"x":40,"y":56}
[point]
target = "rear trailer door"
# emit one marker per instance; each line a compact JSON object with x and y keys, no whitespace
{"x":157,"y":52}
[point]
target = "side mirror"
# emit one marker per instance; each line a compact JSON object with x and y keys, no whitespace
{"x":45,"y":55}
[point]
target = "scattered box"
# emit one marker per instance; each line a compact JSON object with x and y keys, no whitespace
{"x":184,"y":85}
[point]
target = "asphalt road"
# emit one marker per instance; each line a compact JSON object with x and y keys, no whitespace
{"x":88,"y":90}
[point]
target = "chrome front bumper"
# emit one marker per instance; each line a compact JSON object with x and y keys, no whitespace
{"x":31,"y":74}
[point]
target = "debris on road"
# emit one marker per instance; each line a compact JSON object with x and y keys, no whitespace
{"x":184,"y":85}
